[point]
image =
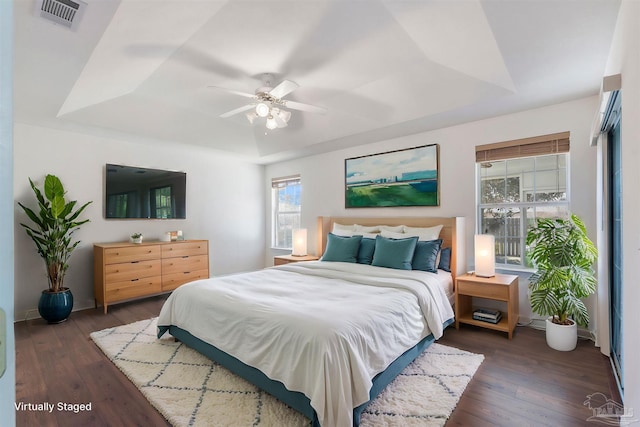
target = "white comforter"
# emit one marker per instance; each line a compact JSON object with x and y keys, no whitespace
{"x":324,"y":338}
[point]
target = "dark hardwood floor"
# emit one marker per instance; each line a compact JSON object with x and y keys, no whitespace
{"x":521,"y":382}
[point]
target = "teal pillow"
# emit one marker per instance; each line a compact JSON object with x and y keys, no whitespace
{"x":365,"y":252}
{"x":341,"y":248}
{"x":445,"y":260}
{"x":394,"y":253}
{"x":426,"y":255}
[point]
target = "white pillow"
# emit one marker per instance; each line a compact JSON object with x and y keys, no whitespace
{"x":394,"y":229}
{"x":342,"y":230}
{"x":366,"y":229}
{"x":423,"y":233}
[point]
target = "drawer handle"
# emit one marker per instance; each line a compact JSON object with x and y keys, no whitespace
{"x":187,"y":272}
{"x":134,"y":280}
{"x":134,"y":262}
{"x":186,"y":256}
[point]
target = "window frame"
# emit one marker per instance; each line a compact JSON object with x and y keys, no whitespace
{"x":276,"y":213}
{"x":522,"y":206}
{"x":168,"y":209}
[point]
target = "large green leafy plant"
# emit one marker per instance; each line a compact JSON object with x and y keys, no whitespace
{"x":53,"y":224}
{"x":563,"y":257}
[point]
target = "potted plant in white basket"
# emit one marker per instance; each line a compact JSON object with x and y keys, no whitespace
{"x":54,"y":222}
{"x":563,"y":257}
{"x":136,"y":238}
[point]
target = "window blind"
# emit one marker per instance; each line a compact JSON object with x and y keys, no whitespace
{"x":554,"y":143}
{"x":285,"y":181}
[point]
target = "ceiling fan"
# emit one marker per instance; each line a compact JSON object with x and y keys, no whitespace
{"x":267,"y":102}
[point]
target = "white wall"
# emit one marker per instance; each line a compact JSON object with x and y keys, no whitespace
{"x":225,"y":204}
{"x":323,"y":175}
{"x":624,"y":59}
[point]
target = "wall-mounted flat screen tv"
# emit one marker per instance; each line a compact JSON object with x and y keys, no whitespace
{"x":134,"y":192}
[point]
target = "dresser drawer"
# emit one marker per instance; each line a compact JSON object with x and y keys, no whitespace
{"x":184,"y":264}
{"x":131,"y":253}
{"x":124,"y":271}
{"x":184,"y":249}
{"x":118,"y":291}
{"x":132,"y":270}
{"x":172,"y":281}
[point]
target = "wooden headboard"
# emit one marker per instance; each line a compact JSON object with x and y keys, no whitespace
{"x":452,"y":233}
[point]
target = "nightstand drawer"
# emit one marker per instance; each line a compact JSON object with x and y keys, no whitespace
{"x":484,"y":290}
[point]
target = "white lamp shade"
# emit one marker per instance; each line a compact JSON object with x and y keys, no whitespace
{"x":271,"y":123}
{"x":299,"y":242}
{"x":485,"y":259}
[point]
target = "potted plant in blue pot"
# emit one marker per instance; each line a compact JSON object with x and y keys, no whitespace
{"x":54,"y":222}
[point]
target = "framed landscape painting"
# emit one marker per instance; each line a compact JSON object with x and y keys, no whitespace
{"x":408,"y":177}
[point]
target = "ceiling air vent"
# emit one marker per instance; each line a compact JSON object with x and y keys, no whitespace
{"x":63,"y":12}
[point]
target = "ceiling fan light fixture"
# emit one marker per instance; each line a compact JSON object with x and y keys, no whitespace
{"x":284,"y":115}
{"x":271,"y":123}
{"x":262,"y":109}
{"x":251,"y":116}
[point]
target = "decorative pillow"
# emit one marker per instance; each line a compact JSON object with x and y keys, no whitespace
{"x":445,"y":260}
{"x":342,"y":230}
{"x":341,"y":249}
{"x":424,"y":233}
{"x":425,"y":256}
{"x":394,"y":253}
{"x":365,"y":252}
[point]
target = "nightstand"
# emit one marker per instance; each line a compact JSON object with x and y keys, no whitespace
{"x":501,"y":287}
{"x":286,"y":259}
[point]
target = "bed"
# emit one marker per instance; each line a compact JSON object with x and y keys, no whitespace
{"x":324,"y":337}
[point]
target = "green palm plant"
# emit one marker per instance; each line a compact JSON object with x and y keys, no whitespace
{"x":52,"y":227}
{"x":563,"y":257}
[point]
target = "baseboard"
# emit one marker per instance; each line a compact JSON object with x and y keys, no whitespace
{"x":540,"y":324}
{"x":32,"y":314}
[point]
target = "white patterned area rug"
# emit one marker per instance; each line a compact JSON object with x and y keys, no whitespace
{"x":190,"y":390}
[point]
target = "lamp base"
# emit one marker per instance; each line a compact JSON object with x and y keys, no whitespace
{"x":485,"y":276}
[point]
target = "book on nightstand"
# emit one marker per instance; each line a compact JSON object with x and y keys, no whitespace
{"x":487,"y":315}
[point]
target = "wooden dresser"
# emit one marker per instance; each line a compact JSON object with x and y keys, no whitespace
{"x":124,"y":271}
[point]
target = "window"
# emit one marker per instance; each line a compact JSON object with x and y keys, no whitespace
{"x":285,"y":202}
{"x":120,"y":205}
{"x":161,"y":202}
{"x":518,"y":182}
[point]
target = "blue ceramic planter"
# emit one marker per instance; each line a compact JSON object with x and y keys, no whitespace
{"x":55,"y":307}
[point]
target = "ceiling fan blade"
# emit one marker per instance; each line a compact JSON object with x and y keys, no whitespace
{"x":304,"y":107}
{"x":236,"y":111}
{"x":283,"y":89}
{"x":235,"y":92}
